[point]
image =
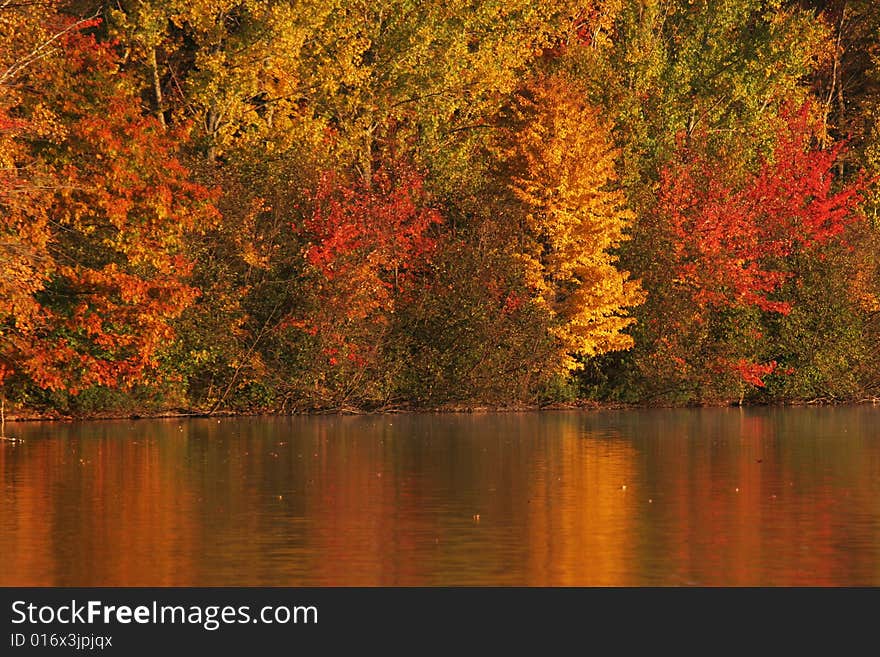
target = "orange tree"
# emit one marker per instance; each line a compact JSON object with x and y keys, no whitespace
{"x":94,"y":209}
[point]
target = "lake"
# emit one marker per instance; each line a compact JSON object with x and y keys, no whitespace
{"x":755,"y":496}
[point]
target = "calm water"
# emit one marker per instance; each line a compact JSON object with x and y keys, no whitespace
{"x":684,"y":497}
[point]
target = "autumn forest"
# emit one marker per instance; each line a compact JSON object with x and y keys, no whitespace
{"x":291,"y":205}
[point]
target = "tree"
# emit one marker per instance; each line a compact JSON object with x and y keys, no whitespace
{"x":99,"y":206}
{"x":666,"y":71}
{"x":735,"y":238}
{"x":563,"y":172}
{"x":526,"y":283}
{"x":365,"y":249}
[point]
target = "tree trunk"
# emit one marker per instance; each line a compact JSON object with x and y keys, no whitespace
{"x":157,"y":88}
{"x":212,"y":126}
{"x":841,"y":105}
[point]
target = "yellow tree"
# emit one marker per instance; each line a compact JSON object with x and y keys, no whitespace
{"x":563,"y":175}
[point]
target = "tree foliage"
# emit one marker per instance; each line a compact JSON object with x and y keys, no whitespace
{"x":563,"y":173}
{"x":429,"y":203}
{"x":96,"y":207}
{"x":737,"y":242}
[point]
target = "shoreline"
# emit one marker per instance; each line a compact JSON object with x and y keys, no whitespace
{"x":580,"y":405}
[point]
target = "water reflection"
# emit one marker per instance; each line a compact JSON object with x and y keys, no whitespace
{"x":720,"y":496}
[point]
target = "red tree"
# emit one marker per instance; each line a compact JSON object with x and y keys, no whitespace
{"x":365,"y":244}
{"x":378,"y":231}
{"x":734,"y":231}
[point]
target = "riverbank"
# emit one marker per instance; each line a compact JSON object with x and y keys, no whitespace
{"x":30,"y":415}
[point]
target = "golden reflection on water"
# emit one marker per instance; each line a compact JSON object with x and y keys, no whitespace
{"x":711,"y":497}
{"x":582,"y":512}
